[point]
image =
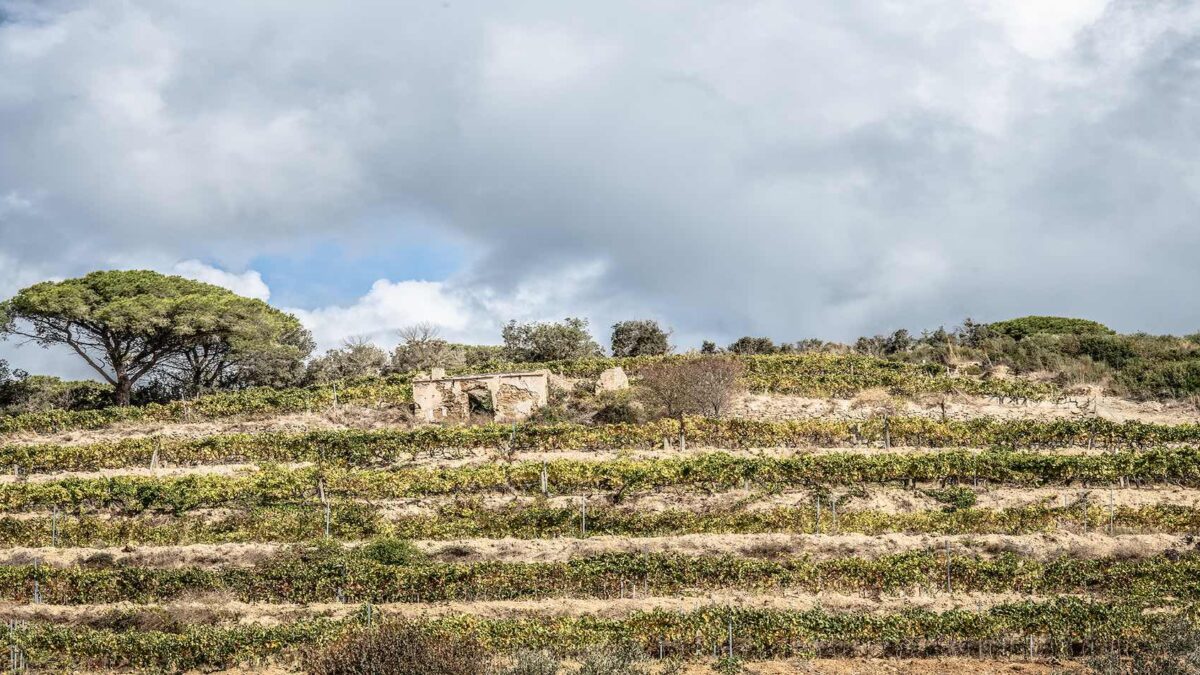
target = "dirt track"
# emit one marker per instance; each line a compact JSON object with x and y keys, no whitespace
{"x":870,"y":497}
{"x":221,"y":609}
{"x":1034,"y":546}
{"x":478,"y":456}
{"x":782,"y":406}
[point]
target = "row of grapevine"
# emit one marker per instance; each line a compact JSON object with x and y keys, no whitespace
{"x":387,"y":446}
{"x":356,"y":521}
{"x":1062,"y":627}
{"x":718,"y":470}
{"x":355,"y":578}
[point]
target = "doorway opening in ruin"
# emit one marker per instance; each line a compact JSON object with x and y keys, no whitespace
{"x":480,"y":405}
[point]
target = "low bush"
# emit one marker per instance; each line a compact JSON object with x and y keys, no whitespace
{"x":954,"y":497}
{"x":399,"y":648}
{"x":392,"y":551}
{"x":621,"y":658}
{"x":530,"y":662}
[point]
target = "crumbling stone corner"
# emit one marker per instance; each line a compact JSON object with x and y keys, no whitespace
{"x":512,"y":396}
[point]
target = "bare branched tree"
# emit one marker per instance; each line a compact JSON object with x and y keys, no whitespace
{"x":421,"y":348}
{"x":715,"y":382}
{"x":704,"y":385}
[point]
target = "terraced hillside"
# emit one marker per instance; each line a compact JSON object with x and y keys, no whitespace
{"x":837,"y":541}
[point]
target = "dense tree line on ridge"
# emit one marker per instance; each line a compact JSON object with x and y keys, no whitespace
{"x":153,"y":337}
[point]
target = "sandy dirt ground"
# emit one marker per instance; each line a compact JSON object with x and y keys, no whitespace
{"x":876,"y":498}
{"x":221,"y":609}
{"x":477,"y":456}
{"x":768,"y":546}
{"x":884,"y":499}
{"x":780,"y":406}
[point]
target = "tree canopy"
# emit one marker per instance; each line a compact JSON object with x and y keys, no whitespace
{"x":639,"y":338}
{"x":128,"y":324}
{"x":549,"y":341}
{"x":753,"y":345}
{"x":358,"y":357}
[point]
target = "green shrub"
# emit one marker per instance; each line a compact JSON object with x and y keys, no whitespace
{"x":1056,"y":325}
{"x":1114,"y":350}
{"x":392,"y":551}
{"x":955,"y":498}
{"x":617,"y":407}
{"x":729,"y":665}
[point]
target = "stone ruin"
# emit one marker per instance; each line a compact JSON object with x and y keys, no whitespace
{"x":613,"y":379}
{"x":506,"y":397}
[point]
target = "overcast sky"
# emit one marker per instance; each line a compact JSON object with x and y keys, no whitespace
{"x":790,"y":169}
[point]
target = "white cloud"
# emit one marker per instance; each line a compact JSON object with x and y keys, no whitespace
{"x":792,"y":169}
{"x":459,"y":309}
{"x":1045,"y":29}
{"x":525,"y":59}
{"x":248,"y":283}
{"x":386,"y":308}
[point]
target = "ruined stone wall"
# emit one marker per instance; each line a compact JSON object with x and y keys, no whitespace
{"x":514,"y":396}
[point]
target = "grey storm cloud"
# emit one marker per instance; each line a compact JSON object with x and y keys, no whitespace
{"x":768,"y":167}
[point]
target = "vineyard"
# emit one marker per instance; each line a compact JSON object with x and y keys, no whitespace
{"x":702,"y":545}
{"x":823,"y":375}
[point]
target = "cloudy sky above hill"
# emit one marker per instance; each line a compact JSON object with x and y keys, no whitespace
{"x":791,"y":169}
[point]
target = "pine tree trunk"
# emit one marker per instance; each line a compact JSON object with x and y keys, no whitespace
{"x":123,"y":390}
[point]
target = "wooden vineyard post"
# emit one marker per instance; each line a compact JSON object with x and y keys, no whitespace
{"x":1111,"y":515}
{"x":948,"y":587}
{"x":979,"y":612}
{"x":325,"y":502}
{"x":37,"y":589}
{"x":545,"y":480}
{"x":583,"y":518}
